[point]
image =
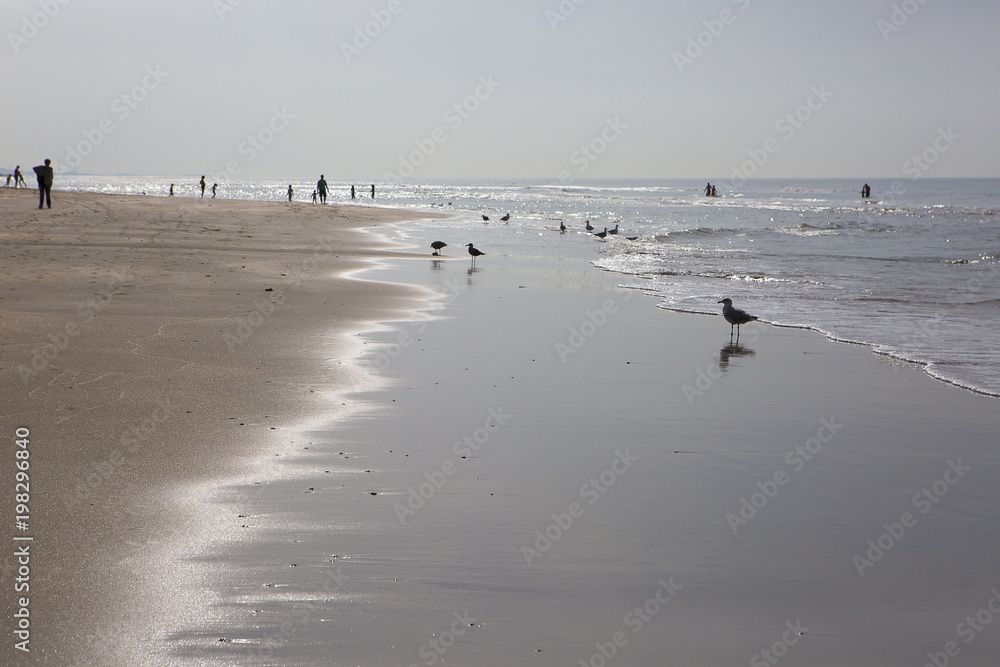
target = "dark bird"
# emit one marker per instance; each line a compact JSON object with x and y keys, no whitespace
{"x":486,"y":218}
{"x":562,"y":227}
{"x":613,"y":231}
{"x":603,"y":234}
{"x":735,"y":316}
{"x":505,"y":218}
{"x":437,"y":245}
{"x":475,"y":253}
{"x":589,"y":226}
{"x":632,"y":238}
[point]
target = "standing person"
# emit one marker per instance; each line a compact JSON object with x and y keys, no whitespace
{"x":708,"y":189}
{"x":714,"y":193}
{"x":373,"y":191}
{"x":19,"y":177}
{"x":866,"y":191}
{"x":321,"y":188}
{"x":214,"y":186}
{"x":315,"y":194}
{"x":202,"y":187}
{"x":8,"y":180}
{"x":352,"y":192}
{"x":44,"y":174}
{"x":171,"y":189}
{"x":289,"y":193}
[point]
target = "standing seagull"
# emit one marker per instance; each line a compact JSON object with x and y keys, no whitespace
{"x":486,"y":218}
{"x":603,"y":234}
{"x":562,"y":226}
{"x":475,"y":253}
{"x":613,"y":231}
{"x":506,"y":218}
{"x":735,"y":317}
{"x":589,"y":227}
{"x":437,"y":245}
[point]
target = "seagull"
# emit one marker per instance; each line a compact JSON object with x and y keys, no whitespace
{"x":475,"y":253}
{"x":486,"y":218}
{"x":613,"y":231}
{"x":603,"y":234}
{"x":505,"y":218}
{"x":632,"y":238}
{"x":735,"y":316}
{"x":562,"y":227}
{"x":590,"y":227}
{"x":437,"y":245}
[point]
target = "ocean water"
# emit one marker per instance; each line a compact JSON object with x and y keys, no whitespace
{"x":913,"y":272}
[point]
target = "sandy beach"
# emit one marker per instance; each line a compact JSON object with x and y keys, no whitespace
{"x":149,"y":344}
{"x":524,"y":464}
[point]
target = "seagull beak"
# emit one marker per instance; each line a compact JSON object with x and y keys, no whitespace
{"x":720,"y":302}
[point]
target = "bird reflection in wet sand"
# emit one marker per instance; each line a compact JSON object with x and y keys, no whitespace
{"x":733,"y":350}
{"x":436,"y":264}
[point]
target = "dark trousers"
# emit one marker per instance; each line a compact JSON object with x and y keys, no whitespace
{"x":44,"y":195}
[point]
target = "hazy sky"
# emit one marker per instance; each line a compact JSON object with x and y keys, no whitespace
{"x":509,"y":88}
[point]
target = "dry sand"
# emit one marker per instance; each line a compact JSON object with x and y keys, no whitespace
{"x":150,"y":343}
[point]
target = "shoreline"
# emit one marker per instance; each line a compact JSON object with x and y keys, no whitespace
{"x":151,"y":343}
{"x":467,"y":486}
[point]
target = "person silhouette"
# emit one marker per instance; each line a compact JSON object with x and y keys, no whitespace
{"x":214,"y":187}
{"x":202,"y":187}
{"x":866,"y":191}
{"x":373,"y":191}
{"x":19,"y":177}
{"x":714,"y":193}
{"x":8,"y":180}
{"x":289,"y":193}
{"x":352,"y":192}
{"x":321,"y":187}
{"x":315,"y":194}
{"x":171,"y":189}
{"x":44,"y":174}
{"x":708,"y":189}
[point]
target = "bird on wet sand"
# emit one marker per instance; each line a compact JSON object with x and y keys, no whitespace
{"x":486,"y":218}
{"x":603,"y":234}
{"x":475,"y":253}
{"x":589,"y":227}
{"x":613,"y":231}
{"x":437,"y":245}
{"x":562,"y":226}
{"x":506,"y":218}
{"x":735,"y":316}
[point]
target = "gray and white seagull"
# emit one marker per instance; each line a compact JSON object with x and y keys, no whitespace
{"x":735,"y":316}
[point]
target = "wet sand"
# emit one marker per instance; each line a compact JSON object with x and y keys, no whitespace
{"x":502,"y":491}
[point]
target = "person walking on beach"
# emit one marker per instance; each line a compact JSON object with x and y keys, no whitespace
{"x":321,"y":188}
{"x":315,"y":194}
{"x":44,"y":174}
{"x":373,"y":191}
{"x":214,"y":186}
{"x":202,"y":187}
{"x":8,"y":180}
{"x":171,"y":189}
{"x":19,"y":177}
{"x":352,"y":192}
{"x":289,"y":193}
